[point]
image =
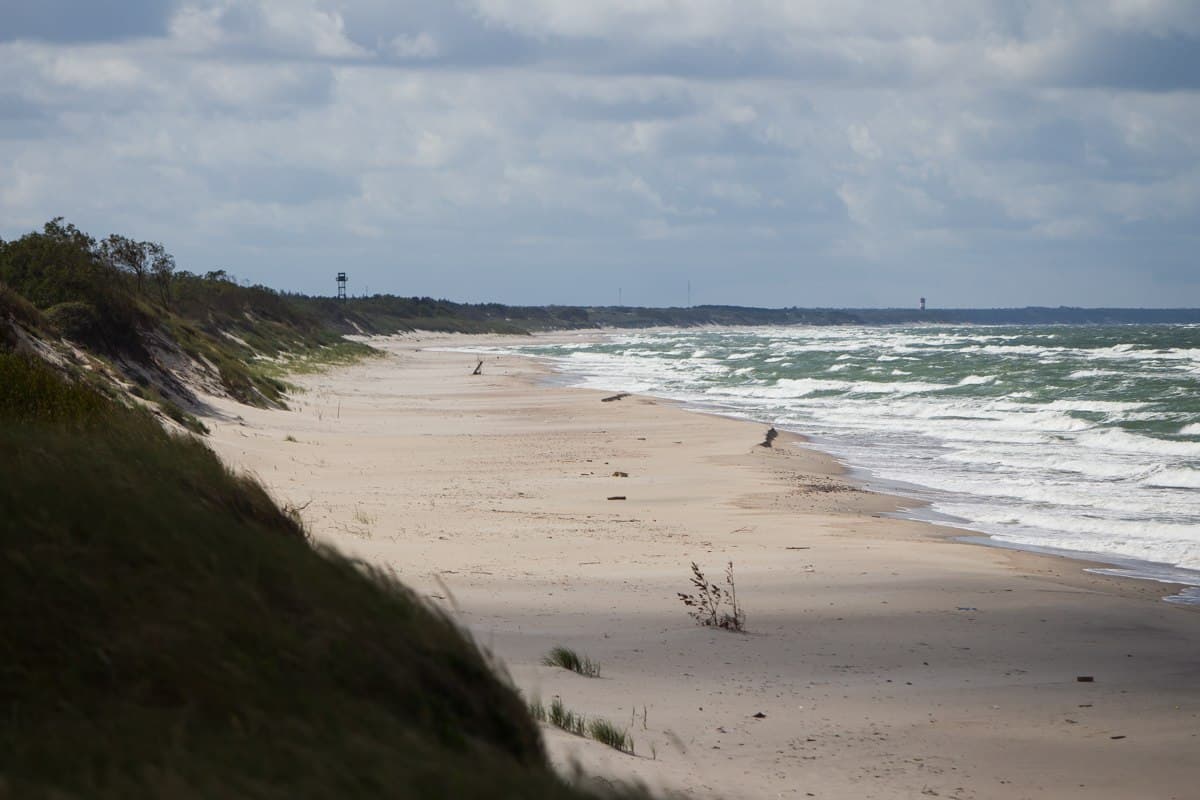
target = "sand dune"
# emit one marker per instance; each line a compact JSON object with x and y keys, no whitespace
{"x":889,"y":660}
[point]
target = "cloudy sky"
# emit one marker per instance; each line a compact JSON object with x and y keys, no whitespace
{"x":772,"y":152}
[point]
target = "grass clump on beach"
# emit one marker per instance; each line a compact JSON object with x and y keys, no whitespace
{"x":170,"y":632}
{"x":567,"y":658}
{"x":562,"y":717}
{"x":607,"y":733}
{"x":713,"y":606}
{"x":573,"y":722}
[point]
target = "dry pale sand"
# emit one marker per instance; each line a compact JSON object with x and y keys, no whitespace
{"x":890,"y":660}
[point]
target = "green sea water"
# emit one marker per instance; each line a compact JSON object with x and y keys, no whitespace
{"x":1077,"y":438}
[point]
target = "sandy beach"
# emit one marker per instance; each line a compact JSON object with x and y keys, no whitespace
{"x":883,"y":658}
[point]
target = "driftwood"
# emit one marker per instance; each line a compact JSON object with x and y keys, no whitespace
{"x":478,"y":369}
{"x":772,"y":434}
{"x":614,"y":397}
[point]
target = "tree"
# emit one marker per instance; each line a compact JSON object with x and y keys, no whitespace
{"x":162,"y":267}
{"x":124,"y":253}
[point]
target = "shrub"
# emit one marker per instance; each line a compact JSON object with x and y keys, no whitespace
{"x":713,"y":606}
{"x":76,"y":320}
{"x":31,"y":393}
{"x":12,"y":304}
{"x":188,"y":421}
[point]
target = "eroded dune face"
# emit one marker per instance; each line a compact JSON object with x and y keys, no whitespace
{"x":169,"y":629}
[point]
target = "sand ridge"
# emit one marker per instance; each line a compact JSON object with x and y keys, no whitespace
{"x":888,"y":659}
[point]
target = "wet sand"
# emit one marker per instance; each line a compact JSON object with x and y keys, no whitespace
{"x":889,"y":659}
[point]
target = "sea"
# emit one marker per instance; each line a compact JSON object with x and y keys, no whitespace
{"x":1077,"y":440}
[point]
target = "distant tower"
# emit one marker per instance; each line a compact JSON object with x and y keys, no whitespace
{"x":341,"y":279}
{"x":922,"y":303}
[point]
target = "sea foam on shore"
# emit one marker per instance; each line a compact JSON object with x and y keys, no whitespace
{"x":1073,"y":438}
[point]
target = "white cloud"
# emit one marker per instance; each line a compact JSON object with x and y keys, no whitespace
{"x":299,"y":28}
{"x":862,"y":143}
{"x":422,"y":45}
{"x":542,"y":150}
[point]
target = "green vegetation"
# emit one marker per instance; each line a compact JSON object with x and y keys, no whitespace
{"x":63,"y":265}
{"x":188,"y":421}
{"x":170,"y":632}
{"x":562,"y":717}
{"x":605,"y":732}
{"x":389,"y":314}
{"x":32,"y":394}
{"x":150,"y":324}
{"x":570,"y":721}
{"x":567,"y":658}
{"x":16,"y":307}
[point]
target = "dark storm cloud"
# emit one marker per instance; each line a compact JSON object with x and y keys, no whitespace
{"x":83,"y":20}
{"x":1133,"y":60}
{"x":23,"y":119}
{"x":15,"y":108}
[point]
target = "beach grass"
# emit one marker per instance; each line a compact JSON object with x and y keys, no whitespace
{"x":562,"y":717}
{"x":567,"y":658}
{"x":607,"y":733}
{"x":170,"y":631}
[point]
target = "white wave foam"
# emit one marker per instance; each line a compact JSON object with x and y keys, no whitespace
{"x":787,"y":388}
{"x":1102,"y":406}
{"x":1020,"y":467}
{"x":1175,"y":544}
{"x":896,"y":387}
{"x":1181,"y":478}
{"x":1122,"y":441}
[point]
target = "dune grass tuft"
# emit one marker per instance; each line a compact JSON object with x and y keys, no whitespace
{"x":607,"y":733}
{"x":570,"y":721}
{"x":567,"y":658}
{"x":562,"y":717}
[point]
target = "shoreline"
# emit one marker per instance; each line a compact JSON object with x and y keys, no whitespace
{"x":1125,"y":568}
{"x":887,"y":663}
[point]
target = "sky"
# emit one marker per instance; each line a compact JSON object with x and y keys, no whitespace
{"x":844,"y":153}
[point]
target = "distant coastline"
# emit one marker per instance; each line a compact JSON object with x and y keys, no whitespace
{"x":389,"y":313}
